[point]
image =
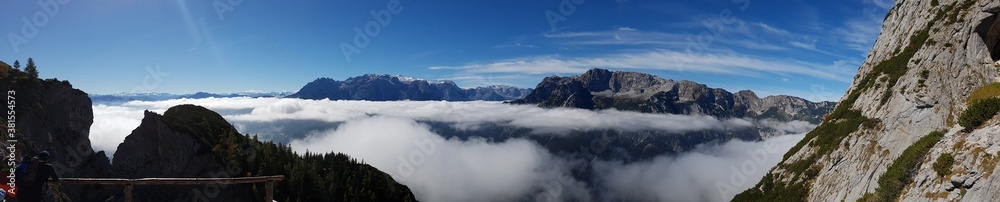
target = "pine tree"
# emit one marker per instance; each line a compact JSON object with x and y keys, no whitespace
{"x":17,"y":65}
{"x":31,"y":69}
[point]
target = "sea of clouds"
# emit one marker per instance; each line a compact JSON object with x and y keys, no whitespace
{"x":391,"y":137}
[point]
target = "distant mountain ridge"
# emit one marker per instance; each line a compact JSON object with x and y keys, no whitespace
{"x":384,"y":87}
{"x":634,"y":91}
{"x":119,"y":98}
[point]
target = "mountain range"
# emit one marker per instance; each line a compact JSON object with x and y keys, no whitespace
{"x":634,"y":91}
{"x":384,"y":87}
{"x":118,"y":98}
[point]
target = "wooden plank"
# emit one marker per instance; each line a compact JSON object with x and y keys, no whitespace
{"x":129,"y":183}
{"x":170,"y":181}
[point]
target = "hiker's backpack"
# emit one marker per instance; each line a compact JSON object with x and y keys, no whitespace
{"x":26,"y":172}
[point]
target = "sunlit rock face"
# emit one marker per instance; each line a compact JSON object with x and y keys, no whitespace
{"x":940,"y":51}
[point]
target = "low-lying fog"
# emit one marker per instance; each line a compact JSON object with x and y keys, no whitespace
{"x":395,"y":138}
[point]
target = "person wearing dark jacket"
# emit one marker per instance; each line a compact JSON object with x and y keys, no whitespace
{"x":33,"y":186}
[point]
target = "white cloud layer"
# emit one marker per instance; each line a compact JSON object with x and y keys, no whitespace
{"x":709,"y":173}
{"x":436,"y":169}
{"x":111,"y":125}
{"x":242,"y":111}
{"x":389,"y":136}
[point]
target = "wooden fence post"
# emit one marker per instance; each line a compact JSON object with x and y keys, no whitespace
{"x":269,"y":185}
{"x":128,"y":193}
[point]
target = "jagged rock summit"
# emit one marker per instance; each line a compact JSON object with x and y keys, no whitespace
{"x":634,"y":91}
{"x":384,"y":87}
{"x":895,"y":134}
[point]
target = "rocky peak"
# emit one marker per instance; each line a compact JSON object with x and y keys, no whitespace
{"x":154,"y":149}
{"x":634,"y":91}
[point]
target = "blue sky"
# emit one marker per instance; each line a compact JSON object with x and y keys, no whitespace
{"x":809,"y":49}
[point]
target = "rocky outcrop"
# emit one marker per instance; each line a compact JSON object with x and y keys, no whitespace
{"x":633,"y":91}
{"x":156,"y":150}
{"x":384,"y":87}
{"x":50,"y":115}
{"x":930,"y":56}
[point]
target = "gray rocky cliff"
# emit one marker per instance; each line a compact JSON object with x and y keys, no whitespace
{"x":930,"y":56}
{"x":633,"y":91}
{"x":51,"y":115}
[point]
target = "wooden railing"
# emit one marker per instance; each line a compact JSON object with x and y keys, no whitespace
{"x":129,"y":183}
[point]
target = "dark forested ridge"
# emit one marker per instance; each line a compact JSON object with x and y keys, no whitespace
{"x":308,"y":177}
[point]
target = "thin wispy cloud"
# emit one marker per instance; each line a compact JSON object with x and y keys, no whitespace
{"x":857,"y":33}
{"x":716,"y":63}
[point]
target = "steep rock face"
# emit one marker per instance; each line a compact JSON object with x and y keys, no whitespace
{"x":929,"y":57}
{"x":496,"y":93}
{"x":633,"y":91}
{"x":383,"y":87}
{"x":53,"y":116}
{"x":156,"y":150}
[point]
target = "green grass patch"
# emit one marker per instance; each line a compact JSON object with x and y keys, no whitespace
{"x":953,"y":17}
{"x":987,"y":91}
{"x":979,"y":112}
{"x":896,"y":66}
{"x":774,"y":190}
{"x":901,"y":171}
{"x":943,"y":12}
{"x":923,"y":78}
{"x":943,"y":164}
